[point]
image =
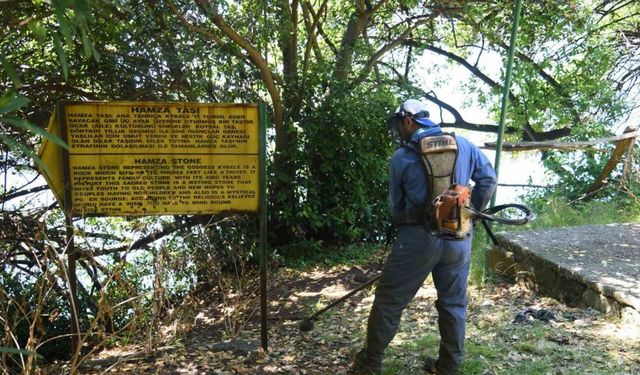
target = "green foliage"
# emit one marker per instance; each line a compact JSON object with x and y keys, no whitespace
{"x":556,"y":213}
{"x":506,"y":348}
{"x":234,"y":238}
{"x":72,"y":20}
{"x":9,"y":103}
{"x":344,"y":159}
{"x":333,"y":161}
{"x":563,"y":73}
{"x":576,"y":170}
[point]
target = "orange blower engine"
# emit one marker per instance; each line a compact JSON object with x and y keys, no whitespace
{"x":451,"y":211}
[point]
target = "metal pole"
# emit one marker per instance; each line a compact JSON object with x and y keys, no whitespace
{"x":503,"y":107}
{"x":505,"y":92}
{"x":263,"y":226}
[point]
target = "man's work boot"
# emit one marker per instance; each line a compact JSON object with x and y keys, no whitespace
{"x":430,"y":366}
{"x":362,"y":366}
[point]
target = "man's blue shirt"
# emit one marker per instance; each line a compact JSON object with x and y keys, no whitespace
{"x":407,"y":176}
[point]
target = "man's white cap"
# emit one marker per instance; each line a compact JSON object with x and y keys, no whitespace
{"x":418,"y":110}
{"x":412,"y":107}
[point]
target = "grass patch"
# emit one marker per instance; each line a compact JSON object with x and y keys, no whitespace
{"x":393,"y":366}
{"x":480,"y":351}
{"x":329,"y":338}
{"x":479,"y":248}
{"x":559,"y":214}
{"x":429,"y":342}
{"x":410,"y":355}
{"x":494,"y":344}
{"x":532,"y":354}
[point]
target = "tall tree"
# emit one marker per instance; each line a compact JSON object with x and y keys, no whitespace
{"x":576,"y":64}
{"x":329,"y":70}
{"x":563,"y":82}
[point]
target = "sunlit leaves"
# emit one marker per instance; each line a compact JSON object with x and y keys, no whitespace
{"x":62,"y":56}
{"x":44,"y":29}
{"x":26,"y":125}
{"x":10,"y":103}
{"x":10,"y":71}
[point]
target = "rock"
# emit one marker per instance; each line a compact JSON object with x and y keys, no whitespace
{"x":594,"y":266}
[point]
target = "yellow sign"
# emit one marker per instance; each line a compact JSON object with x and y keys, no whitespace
{"x":144,"y":158}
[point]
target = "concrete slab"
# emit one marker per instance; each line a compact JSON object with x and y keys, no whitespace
{"x":590,"y":266}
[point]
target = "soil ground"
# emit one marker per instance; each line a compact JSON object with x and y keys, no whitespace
{"x":511,"y":330}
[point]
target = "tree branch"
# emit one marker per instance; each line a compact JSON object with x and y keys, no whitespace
{"x":567,"y":101}
{"x":316,"y":19}
{"x":474,"y":70}
{"x":268,"y":77}
{"x":265,"y":71}
{"x":293,"y":89}
{"x":15,"y":194}
{"x":170,"y":52}
{"x":354,"y":29}
{"x":311,"y":24}
{"x":534,"y":135}
{"x":58,"y":87}
{"x":364,"y":73}
{"x":581,"y":145}
{"x":143,"y":242}
{"x":460,"y":122}
{"x":545,"y":136}
{"x":202,"y":31}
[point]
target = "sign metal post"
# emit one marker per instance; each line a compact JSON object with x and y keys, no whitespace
{"x":263,"y":228}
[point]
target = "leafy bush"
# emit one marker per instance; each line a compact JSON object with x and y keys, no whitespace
{"x":343,"y":177}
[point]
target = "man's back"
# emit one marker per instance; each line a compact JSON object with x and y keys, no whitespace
{"x":408,"y":186}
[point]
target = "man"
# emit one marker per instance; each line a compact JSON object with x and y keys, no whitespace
{"x":420,"y":248}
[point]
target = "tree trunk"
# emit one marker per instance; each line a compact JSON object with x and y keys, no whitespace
{"x":344,"y":60}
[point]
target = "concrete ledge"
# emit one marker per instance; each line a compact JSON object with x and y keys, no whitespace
{"x":594,"y":266}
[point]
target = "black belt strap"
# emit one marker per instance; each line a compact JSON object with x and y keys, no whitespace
{"x":416,"y":216}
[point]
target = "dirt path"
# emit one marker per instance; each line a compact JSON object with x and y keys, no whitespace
{"x":511,"y":330}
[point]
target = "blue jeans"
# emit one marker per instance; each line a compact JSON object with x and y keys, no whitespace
{"x":414,"y":255}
